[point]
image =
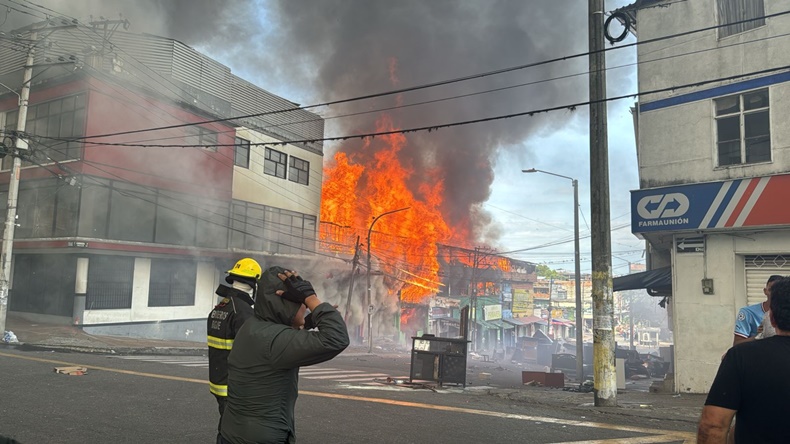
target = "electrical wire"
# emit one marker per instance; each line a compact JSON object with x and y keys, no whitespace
{"x":436,"y":127}
{"x":439,"y":83}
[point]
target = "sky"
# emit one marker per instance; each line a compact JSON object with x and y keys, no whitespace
{"x":312,"y":51}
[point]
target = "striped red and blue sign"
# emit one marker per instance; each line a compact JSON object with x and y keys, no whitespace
{"x":751,"y":202}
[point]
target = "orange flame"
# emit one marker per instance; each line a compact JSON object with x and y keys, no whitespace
{"x":361,"y":186}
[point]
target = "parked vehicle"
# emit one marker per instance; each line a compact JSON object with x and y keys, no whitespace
{"x":656,"y":366}
{"x":634,"y":364}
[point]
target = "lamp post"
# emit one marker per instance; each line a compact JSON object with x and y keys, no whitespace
{"x":576,"y":260}
{"x":369,"y":300}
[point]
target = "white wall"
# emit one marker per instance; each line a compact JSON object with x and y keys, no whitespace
{"x":207,"y":280}
{"x":703,"y":324}
{"x":677,"y":144}
{"x":252,"y":185}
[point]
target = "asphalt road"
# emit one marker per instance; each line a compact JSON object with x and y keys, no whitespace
{"x":166,"y":400}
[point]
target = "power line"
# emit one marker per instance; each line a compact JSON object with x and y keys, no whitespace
{"x":439,"y":83}
{"x":431,"y":128}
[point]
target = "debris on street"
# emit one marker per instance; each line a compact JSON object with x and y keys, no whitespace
{"x":10,"y":338}
{"x":71,"y":371}
{"x":405,"y":383}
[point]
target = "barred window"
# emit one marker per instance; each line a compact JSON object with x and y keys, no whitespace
{"x":299,"y":170}
{"x":275,"y":163}
{"x":242,"y":153}
{"x":172,"y":283}
{"x":110,"y":280}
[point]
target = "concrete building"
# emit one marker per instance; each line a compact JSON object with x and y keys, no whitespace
{"x":133,"y":240}
{"x":713,"y":165}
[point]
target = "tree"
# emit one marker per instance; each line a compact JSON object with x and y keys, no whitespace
{"x":548,"y":273}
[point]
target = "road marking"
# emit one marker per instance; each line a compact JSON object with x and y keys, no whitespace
{"x":670,"y":435}
{"x":345,"y":377}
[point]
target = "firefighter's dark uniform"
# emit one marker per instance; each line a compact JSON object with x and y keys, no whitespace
{"x":224,"y":322}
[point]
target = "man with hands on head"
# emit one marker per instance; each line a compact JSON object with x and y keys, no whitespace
{"x":263,"y":366}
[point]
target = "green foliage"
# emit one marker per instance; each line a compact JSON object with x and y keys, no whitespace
{"x":548,"y":273}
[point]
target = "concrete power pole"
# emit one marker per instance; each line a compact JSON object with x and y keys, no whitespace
{"x":605,"y":378}
{"x":354,"y":265}
{"x":13,"y":186}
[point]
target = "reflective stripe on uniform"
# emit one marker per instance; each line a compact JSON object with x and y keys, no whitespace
{"x":220,"y":343}
{"x":219,"y":390}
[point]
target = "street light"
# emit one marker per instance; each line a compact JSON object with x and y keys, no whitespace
{"x":576,"y":259}
{"x":369,"y":300}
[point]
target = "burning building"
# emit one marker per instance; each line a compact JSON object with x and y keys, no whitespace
{"x":128,"y":231}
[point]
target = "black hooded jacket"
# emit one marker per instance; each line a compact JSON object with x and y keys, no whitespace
{"x":264,"y":364}
{"x":224,"y":322}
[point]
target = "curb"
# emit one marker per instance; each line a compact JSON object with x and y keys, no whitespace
{"x":174,"y":351}
{"x":684,"y":414}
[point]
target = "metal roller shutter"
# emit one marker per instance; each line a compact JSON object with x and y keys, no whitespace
{"x":758,"y":269}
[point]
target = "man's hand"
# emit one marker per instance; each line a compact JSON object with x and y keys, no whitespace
{"x":298,"y":288}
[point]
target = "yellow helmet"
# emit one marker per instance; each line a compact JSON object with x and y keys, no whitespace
{"x":246,"y":267}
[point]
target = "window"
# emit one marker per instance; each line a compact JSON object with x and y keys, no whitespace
{"x":61,"y":118}
{"x":242,"y":155}
{"x":743,"y":128}
{"x":732,"y":11}
{"x":110,"y":280}
{"x":299,"y":170}
{"x":132,"y":212}
{"x":274,"y":230}
{"x":274,"y":165}
{"x":197,"y":135}
{"x":176,"y":219}
{"x":172,"y":283}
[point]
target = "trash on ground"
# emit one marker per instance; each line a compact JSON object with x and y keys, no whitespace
{"x":71,"y":371}
{"x":10,"y":338}
{"x":405,"y":383}
{"x":483,"y":376}
{"x":533,"y":384}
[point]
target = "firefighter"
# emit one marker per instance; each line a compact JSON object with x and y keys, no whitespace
{"x":224,"y":322}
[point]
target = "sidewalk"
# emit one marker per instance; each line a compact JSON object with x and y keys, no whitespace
{"x":500,"y":379}
{"x":43,"y":336}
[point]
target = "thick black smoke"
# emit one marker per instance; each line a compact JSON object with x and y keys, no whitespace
{"x":335,"y":49}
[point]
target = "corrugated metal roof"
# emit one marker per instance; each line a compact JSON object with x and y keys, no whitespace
{"x":175,"y":70}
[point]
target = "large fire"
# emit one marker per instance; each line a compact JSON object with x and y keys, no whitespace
{"x":374,"y":180}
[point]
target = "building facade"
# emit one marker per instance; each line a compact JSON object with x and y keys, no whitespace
{"x":127,"y":231}
{"x":713,"y":165}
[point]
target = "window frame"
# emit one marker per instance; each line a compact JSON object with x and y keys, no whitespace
{"x":76,"y":114}
{"x":742,"y":114}
{"x":296,"y":174}
{"x":731,"y":30}
{"x":280,"y":165}
{"x":241,"y":146}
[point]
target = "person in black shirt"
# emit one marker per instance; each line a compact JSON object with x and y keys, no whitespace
{"x":753,"y":381}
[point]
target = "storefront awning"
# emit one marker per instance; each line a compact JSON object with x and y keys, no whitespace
{"x":657,"y":282}
{"x":500,"y":324}
{"x":525,"y":321}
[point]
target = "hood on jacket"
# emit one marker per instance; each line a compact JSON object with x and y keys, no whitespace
{"x":271,"y":307}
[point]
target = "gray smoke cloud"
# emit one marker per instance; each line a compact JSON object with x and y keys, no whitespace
{"x":334,"y":49}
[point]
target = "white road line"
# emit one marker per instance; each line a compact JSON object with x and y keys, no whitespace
{"x":340,"y":374}
{"x":343,"y":377}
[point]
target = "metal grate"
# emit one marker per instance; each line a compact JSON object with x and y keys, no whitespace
{"x":110,"y":281}
{"x":758,"y":269}
{"x":172,"y":283}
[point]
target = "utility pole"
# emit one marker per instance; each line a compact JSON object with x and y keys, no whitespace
{"x":577,"y":271}
{"x":473,"y":311}
{"x":605,"y":377}
{"x":13,"y":185}
{"x":369,"y":297}
{"x":354,"y":265}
